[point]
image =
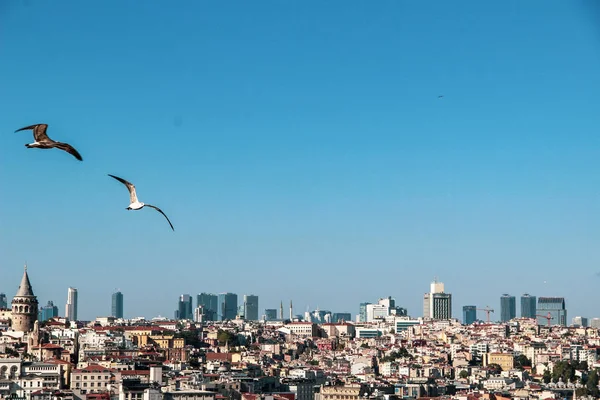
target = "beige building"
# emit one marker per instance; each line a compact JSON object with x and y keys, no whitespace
{"x":504,"y":360}
{"x":347,"y":392}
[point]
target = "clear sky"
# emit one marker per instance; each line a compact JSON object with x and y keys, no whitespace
{"x":302,"y":152}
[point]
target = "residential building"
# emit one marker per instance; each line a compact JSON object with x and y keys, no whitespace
{"x":554,"y":308}
{"x":227,"y":306}
{"x":71,"y":306}
{"x":528,"y":306}
{"x":251,"y":307}
{"x":508,"y":307}
{"x":117,"y":305}
{"x":469,"y":314}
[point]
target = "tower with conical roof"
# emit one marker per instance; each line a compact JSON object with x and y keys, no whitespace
{"x":24,"y":306}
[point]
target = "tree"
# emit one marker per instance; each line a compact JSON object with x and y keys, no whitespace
{"x":464,"y":374}
{"x":592,"y":383}
{"x":522,"y":361}
{"x":547,"y":377}
{"x":495,"y":369}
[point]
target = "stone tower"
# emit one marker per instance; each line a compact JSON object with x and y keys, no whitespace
{"x":24,"y":306}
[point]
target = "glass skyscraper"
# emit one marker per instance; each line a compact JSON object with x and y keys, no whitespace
{"x":47,"y":312}
{"x":3,"y":303}
{"x":469,"y":314}
{"x":271,"y":314}
{"x":117,"y":305}
{"x":528,"y":306}
{"x":554,"y":307}
{"x":227,"y":306}
{"x":208,"y":302}
{"x":508,"y":307}
{"x":185,"y":307}
{"x":362,"y":313}
{"x":251,"y":307}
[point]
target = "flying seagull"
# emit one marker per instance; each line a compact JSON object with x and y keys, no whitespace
{"x":135,"y":204}
{"x":42,"y":141}
{"x":440,"y":96}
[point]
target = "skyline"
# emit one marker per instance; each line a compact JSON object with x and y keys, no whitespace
{"x":241,"y":304}
{"x":314,"y":151}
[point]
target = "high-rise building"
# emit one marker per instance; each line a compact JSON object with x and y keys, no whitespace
{"x":185,"y":307}
{"x":48,"y":311}
{"x":437,"y":304}
{"x":71,"y":306}
{"x":117,"y":305}
{"x":227,"y":306}
{"x":508,"y":307}
{"x":251,"y":307}
{"x":24,"y":306}
{"x":362,"y":312}
{"x":579,"y":322}
{"x":469,"y":314}
{"x":554,"y":308}
{"x":528,"y":306}
{"x":595,"y":323}
{"x":271,"y":314}
{"x":209,"y":303}
{"x":3,"y":303}
{"x":339,"y":317}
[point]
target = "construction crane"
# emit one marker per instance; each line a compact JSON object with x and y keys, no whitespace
{"x":548,"y":317}
{"x":487,"y":310}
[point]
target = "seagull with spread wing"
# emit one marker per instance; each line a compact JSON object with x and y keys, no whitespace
{"x":42,"y":141}
{"x":133,"y":200}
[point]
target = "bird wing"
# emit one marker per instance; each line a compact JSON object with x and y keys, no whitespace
{"x":130,"y":186}
{"x":39,"y":132}
{"x":160,"y":211}
{"x":69,"y":149}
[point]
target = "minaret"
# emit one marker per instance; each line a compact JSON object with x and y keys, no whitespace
{"x":24,"y":306}
{"x":281,"y":310}
{"x":291,"y":312}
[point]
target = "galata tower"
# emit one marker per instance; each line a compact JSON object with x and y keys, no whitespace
{"x":24,"y":306}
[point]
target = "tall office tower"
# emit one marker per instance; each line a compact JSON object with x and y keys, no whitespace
{"x":270,"y":314}
{"x":48,"y":311}
{"x":251,"y":307}
{"x":362,"y":312}
{"x":341,"y":317}
{"x":469,"y":314}
{"x":209,"y":303}
{"x":71,"y":306}
{"x":3,"y":303}
{"x":185,"y":307}
{"x":595,"y":323}
{"x":117,"y":305}
{"x":227,"y":306}
{"x":508,"y":307}
{"x":554,"y":307}
{"x":528,"y":306}
{"x":579,"y":322}
{"x":24,"y":306}
{"x":437,"y":304}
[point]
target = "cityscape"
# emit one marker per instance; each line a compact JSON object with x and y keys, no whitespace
{"x":299,"y":200}
{"x":217,"y":347}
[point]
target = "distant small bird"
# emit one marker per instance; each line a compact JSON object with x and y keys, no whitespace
{"x":440,"y":96}
{"x":42,"y":141}
{"x":135,"y":204}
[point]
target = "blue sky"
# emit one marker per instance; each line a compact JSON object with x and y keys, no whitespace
{"x":301,"y":151}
